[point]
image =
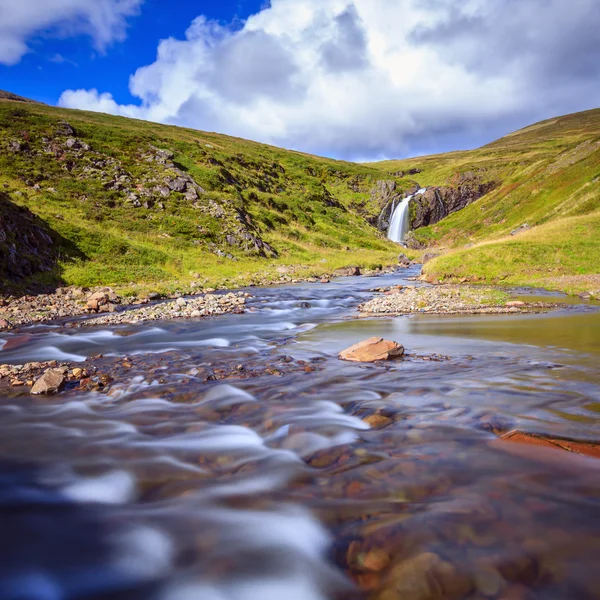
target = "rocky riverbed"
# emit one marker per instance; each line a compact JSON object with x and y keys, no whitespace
{"x":448,"y":299}
{"x":17,"y":310}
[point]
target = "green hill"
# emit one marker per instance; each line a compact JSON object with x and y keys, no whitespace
{"x":130,"y":201}
{"x":547,"y":196}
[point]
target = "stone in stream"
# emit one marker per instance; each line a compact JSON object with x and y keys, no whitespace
{"x":371,"y":350}
{"x":425,"y":577}
{"x":523,"y":437}
{"x":49,"y":383}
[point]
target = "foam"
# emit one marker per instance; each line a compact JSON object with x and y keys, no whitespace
{"x":115,"y":487}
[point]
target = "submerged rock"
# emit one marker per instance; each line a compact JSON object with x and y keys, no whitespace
{"x":372,"y":350}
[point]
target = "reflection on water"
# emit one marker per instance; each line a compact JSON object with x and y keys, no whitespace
{"x":325,"y":480}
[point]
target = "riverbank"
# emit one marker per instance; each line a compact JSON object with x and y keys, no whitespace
{"x":449,"y":300}
{"x":73,"y":301}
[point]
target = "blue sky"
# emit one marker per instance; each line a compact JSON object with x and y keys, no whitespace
{"x":55,"y":64}
{"x":352,"y":79}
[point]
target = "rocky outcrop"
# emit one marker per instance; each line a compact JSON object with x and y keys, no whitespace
{"x":439,"y":202}
{"x":26,"y":247}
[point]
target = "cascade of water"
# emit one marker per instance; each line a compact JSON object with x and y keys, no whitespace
{"x":399,"y":224}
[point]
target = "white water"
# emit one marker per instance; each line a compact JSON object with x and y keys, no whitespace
{"x":399,"y":225}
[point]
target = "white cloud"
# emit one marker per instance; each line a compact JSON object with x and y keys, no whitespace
{"x":372,"y":78}
{"x":103,"y":20}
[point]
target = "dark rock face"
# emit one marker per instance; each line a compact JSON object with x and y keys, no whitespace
{"x":26,"y":248}
{"x":436,"y":203}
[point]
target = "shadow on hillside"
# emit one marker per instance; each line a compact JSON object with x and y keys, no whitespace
{"x":31,"y":252}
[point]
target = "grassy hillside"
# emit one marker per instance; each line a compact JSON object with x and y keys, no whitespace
{"x":131,"y":201}
{"x":550,"y":182}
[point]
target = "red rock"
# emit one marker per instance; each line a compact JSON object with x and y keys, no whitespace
{"x":371,"y":350}
{"x":520,"y":437}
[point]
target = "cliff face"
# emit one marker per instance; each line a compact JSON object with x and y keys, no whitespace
{"x":439,"y":202}
{"x":26,"y":248}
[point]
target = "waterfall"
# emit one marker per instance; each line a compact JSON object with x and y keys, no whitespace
{"x":399,"y":225}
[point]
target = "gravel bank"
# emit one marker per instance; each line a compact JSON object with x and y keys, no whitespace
{"x":448,"y":299}
{"x":182,"y":308}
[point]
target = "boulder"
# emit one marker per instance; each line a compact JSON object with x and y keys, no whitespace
{"x":371,"y":350}
{"x":97,"y":300}
{"x":179,"y":184}
{"x":49,"y":383}
{"x":404,"y":260}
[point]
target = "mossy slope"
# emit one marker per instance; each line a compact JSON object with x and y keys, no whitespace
{"x":102,"y":194}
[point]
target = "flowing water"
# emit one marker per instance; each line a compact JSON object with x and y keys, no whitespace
{"x":301,"y":476}
{"x":399,"y":223}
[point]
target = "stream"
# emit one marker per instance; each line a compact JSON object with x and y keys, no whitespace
{"x":306,"y":477}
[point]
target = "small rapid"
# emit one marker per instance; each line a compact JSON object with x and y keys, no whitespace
{"x":236,"y":458}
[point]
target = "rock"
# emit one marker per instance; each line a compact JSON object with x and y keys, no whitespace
{"x":181,"y":302}
{"x":324,"y":280}
{"x":50,"y":382}
{"x":179,"y":184}
{"x":377,"y":421}
{"x":26,"y":248}
{"x":542,"y":441}
{"x":404,"y":260}
{"x":96,"y":300}
{"x":429,"y":256}
{"x":520,"y":229}
{"x":73,"y":143}
{"x":372,"y":350}
{"x":4,"y":324}
{"x":515,"y":304}
{"x":438,"y":202}
{"x":425,"y":577}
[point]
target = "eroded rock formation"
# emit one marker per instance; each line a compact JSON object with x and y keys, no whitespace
{"x":26,"y":247}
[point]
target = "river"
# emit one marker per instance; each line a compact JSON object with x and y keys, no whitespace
{"x":270,"y":484}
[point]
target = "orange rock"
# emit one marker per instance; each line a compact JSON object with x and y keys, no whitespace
{"x":425,"y":577}
{"x":377,"y":421}
{"x":515,"y":304}
{"x":520,"y":437}
{"x":371,"y":350}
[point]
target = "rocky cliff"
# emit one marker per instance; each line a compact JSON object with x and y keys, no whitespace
{"x":26,"y":247}
{"x":439,"y":202}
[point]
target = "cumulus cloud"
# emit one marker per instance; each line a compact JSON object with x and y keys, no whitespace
{"x":103,"y":20}
{"x":372,"y":78}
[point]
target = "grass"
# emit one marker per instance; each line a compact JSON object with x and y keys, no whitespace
{"x":562,"y":254}
{"x":550,"y":181}
{"x":312,"y":211}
